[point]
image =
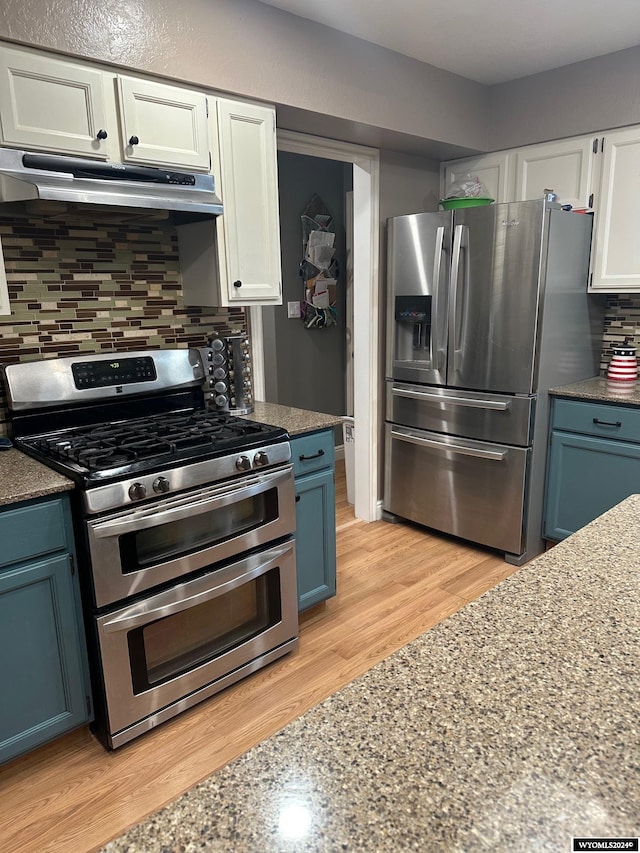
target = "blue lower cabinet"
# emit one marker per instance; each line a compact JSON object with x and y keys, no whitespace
{"x":43,"y":659}
{"x":585,"y":477}
{"x":313,"y":458}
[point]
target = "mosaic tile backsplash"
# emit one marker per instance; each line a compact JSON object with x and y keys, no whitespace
{"x":621,"y":324}
{"x":83,"y":286}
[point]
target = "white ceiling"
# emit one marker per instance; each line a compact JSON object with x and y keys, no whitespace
{"x":490,"y":41}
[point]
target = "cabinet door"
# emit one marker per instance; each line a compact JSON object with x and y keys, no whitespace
{"x":249,"y":230}
{"x":565,"y":167}
{"x":616,"y":257}
{"x":163,"y":124}
{"x":41,"y":665}
{"x":315,"y":538}
{"x":586,"y":476}
{"x":491,"y":169}
{"x":51,"y":104}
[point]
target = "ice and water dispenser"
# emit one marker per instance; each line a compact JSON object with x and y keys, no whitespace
{"x":412,"y":333}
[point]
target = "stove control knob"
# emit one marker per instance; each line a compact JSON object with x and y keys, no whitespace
{"x":137,"y":491}
{"x":243,"y":463}
{"x":260,"y":459}
{"x":161,"y":485}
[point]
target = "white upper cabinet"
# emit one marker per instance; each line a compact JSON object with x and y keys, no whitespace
{"x":565,"y":166}
{"x":163,"y":124}
{"x":616,"y":256}
{"x":53,"y":105}
{"x":68,"y":108}
{"x":249,"y":187}
{"x":237,"y":261}
{"x":491,"y":169}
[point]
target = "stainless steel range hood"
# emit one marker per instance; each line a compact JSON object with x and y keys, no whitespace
{"x":54,"y":185}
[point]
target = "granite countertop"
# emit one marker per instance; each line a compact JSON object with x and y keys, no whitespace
{"x":598,"y":388}
{"x":295,"y":421}
{"x":513,"y":725}
{"x":22,"y":478}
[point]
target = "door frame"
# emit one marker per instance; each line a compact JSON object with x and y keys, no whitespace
{"x":366,"y":337}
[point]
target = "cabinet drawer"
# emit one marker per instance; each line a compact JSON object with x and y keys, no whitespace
{"x":312,"y":452}
{"x":31,"y":529}
{"x":605,"y":421}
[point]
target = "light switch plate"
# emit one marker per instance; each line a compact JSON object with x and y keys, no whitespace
{"x":293,"y":310}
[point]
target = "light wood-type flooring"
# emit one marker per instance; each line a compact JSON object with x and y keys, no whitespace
{"x":395,"y":581}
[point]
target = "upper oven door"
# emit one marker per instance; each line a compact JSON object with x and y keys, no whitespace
{"x":137,"y":549}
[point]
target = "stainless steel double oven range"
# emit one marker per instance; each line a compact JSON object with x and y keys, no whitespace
{"x":184,"y":527}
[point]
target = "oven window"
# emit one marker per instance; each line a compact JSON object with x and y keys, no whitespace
{"x":144,"y":548}
{"x":172,"y":646}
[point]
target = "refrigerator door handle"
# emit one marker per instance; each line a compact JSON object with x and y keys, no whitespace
{"x":437,"y":353}
{"x":412,"y":438}
{"x":497,"y":405}
{"x":455,"y":333}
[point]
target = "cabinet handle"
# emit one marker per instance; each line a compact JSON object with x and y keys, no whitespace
{"x":607,"y":423}
{"x":315,"y":456}
{"x":297,"y":498}
{"x":237,"y":284}
{"x":133,"y":140}
{"x":101,"y":134}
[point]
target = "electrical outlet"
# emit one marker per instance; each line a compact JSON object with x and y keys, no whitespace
{"x":293,"y":310}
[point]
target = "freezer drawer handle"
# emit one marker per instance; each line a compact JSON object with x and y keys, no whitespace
{"x":494,"y":455}
{"x":497,"y":405}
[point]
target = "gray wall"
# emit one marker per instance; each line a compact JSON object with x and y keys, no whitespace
{"x":250,"y":49}
{"x":582,"y":98}
{"x":330,"y":83}
{"x":305,"y":368}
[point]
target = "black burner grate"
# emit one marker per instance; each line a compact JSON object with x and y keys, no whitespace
{"x":156,"y":439}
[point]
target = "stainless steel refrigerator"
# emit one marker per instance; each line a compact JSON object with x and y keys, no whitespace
{"x":487,"y":310}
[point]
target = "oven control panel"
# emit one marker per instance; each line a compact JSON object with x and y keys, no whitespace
{"x":120,"y":371}
{"x":223,"y":472}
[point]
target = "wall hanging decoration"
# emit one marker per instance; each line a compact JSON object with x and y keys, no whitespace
{"x":318,"y":267}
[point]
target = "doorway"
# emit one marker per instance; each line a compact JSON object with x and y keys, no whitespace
{"x":365,"y":345}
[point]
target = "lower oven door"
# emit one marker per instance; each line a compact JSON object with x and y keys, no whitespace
{"x":472,"y":489}
{"x":134,"y":550}
{"x":176,"y":647}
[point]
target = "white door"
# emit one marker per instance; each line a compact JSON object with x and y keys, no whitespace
{"x":250,"y":238}
{"x":349,"y":302}
{"x":566,"y":166}
{"x":162,"y":124}
{"x":616,"y":257}
{"x":491,"y":169}
{"x":52,"y":105}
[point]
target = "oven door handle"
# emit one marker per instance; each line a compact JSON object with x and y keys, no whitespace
{"x":174,"y":600}
{"x":154,"y":516}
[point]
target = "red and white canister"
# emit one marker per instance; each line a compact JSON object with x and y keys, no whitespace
{"x":623,"y":366}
